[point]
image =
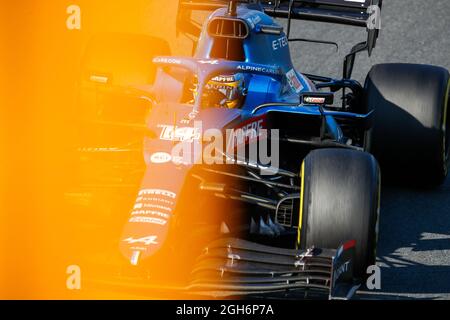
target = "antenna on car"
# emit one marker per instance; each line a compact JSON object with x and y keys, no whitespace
{"x":232,"y":8}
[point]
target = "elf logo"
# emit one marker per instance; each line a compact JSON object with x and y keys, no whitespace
{"x":160,"y":158}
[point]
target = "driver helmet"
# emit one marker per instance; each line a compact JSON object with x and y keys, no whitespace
{"x":228,"y":91}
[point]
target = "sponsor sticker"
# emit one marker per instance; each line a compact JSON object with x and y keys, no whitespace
{"x":181,"y":134}
{"x":138,"y":206}
{"x":254,"y":20}
{"x":253,"y":129}
{"x":294,"y":81}
{"x":280,"y":43}
{"x":224,"y":79}
{"x":212,"y":62}
{"x":166,"y":60}
{"x":257,"y":69}
{"x":150,"y":212}
{"x":314,"y":100}
{"x":141,"y":200}
{"x":150,"y":220}
{"x":160,"y":158}
{"x":247,"y":132}
{"x":158,"y":192}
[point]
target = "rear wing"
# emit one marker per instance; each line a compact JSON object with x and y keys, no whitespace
{"x":356,"y":13}
{"x":348,"y":12}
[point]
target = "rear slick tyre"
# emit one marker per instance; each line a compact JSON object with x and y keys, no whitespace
{"x":411,"y":133}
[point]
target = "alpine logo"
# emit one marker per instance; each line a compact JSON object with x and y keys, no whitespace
{"x":146,"y":240}
{"x":262,"y":69}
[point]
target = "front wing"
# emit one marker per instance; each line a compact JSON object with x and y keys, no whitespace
{"x":230,"y":268}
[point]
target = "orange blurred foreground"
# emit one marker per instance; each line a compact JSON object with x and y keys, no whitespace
{"x":42,"y":43}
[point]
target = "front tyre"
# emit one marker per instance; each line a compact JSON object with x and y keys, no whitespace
{"x":340,"y":202}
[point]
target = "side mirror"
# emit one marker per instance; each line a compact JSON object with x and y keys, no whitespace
{"x":317,"y":98}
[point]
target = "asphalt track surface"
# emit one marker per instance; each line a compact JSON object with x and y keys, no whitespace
{"x":414,"y":244}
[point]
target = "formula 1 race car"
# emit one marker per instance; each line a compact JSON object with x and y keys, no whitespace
{"x":191,"y":137}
